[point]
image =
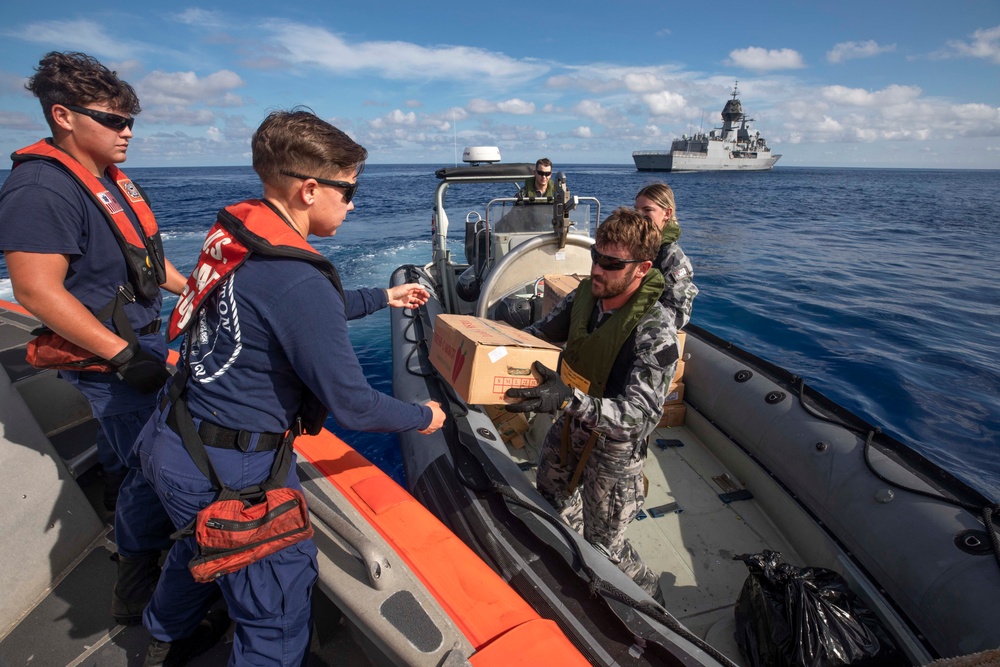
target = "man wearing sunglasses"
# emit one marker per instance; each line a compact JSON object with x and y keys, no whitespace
{"x":621,"y":352}
{"x":287,"y":362}
{"x":541,"y":186}
{"x":85,"y":257}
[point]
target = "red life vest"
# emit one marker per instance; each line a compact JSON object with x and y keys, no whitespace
{"x":241,"y":229}
{"x":143,"y":251}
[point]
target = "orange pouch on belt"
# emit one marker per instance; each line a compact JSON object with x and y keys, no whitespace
{"x":231,"y":534}
{"x":50,"y":350}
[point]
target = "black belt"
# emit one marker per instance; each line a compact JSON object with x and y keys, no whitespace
{"x":151,"y":328}
{"x":227,"y":438}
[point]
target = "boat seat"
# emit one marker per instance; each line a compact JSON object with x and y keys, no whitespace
{"x":64,"y":415}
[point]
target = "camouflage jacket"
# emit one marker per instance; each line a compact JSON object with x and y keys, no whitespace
{"x":680,"y":291}
{"x":631,"y":416}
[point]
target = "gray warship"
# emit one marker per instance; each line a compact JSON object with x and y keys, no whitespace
{"x":731,"y":147}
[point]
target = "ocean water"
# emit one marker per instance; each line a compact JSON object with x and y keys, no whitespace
{"x":879,"y":287}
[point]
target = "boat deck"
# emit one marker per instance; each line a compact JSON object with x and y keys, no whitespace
{"x":687,"y":532}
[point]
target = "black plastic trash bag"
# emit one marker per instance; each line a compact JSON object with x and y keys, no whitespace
{"x":805,"y":617}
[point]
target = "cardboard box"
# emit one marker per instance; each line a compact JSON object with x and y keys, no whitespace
{"x":557,"y":286}
{"x":681,"y":339}
{"x":673,"y":415}
{"x":678,"y":372}
{"x":675,"y":394}
{"x":510,"y":425}
{"x":482,"y":359}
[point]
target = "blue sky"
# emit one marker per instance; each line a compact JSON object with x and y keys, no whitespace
{"x":847,"y":83}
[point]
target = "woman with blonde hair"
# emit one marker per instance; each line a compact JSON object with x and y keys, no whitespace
{"x":656,"y":202}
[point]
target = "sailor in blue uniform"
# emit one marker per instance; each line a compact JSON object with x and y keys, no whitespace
{"x":266,"y":319}
{"x":84,"y":256}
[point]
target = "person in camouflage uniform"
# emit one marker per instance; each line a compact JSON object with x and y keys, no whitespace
{"x":656,"y":202}
{"x":620,"y":355}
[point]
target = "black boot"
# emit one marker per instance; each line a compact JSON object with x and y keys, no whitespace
{"x":137,"y":579}
{"x":180,"y":651}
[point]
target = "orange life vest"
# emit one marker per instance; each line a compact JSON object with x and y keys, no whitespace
{"x":241,"y":229}
{"x":143,"y":251}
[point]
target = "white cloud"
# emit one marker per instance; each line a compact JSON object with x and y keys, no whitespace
{"x":16,"y":120}
{"x":665,"y":103}
{"x":643,"y":82}
{"x":184,"y":88}
{"x":175,"y":115}
{"x":203,"y":18}
{"x":515,"y":106}
{"x":309,"y":45}
{"x":756,"y":58}
{"x":583,"y":132}
{"x":80,"y":35}
{"x":985,"y":43}
{"x":891,"y":95}
{"x":850,"y":50}
{"x":12,"y":84}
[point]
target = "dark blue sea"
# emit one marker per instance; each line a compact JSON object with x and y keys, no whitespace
{"x":880,"y":287}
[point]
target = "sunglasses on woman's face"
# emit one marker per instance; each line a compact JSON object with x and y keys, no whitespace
{"x":109,"y":120}
{"x":609,"y":263}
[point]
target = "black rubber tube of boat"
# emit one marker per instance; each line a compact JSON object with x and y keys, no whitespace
{"x":988,"y":512}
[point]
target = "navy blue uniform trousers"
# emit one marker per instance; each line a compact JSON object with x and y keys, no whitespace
{"x":269,"y":600}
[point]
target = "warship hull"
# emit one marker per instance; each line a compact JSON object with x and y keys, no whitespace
{"x":687,"y":161}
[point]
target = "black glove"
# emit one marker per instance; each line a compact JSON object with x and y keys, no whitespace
{"x":140,"y":369}
{"x":549,"y":396}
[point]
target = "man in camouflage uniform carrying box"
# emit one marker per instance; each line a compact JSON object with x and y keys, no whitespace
{"x":621,"y":351}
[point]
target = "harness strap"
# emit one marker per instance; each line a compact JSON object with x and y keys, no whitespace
{"x":584,"y":456}
{"x":180,"y":420}
{"x":213,"y":435}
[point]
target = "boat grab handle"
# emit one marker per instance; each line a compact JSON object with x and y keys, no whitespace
{"x":376,"y":564}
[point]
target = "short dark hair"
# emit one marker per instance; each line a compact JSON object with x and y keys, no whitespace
{"x":78,"y":79}
{"x":631,"y":230}
{"x":300,"y":141}
{"x":543,"y":162}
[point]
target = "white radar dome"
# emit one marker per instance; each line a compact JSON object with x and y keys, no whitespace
{"x":477,"y":154}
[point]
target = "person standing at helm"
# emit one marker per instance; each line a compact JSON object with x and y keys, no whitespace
{"x":656,"y":202}
{"x":621,"y":351}
{"x":266,"y":347}
{"x":541,"y":186}
{"x":85,"y":257}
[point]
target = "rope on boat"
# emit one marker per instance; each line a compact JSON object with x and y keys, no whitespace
{"x":989,"y":513}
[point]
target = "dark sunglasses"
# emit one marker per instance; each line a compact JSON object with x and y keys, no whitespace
{"x":109,"y":120}
{"x":609,"y":263}
{"x":349,"y":188}
{"x":546,"y":174}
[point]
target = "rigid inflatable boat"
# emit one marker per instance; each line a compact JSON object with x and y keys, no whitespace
{"x":759,"y":462}
{"x":408,"y":589}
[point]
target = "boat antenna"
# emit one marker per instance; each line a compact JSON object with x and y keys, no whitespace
{"x":454,"y":130}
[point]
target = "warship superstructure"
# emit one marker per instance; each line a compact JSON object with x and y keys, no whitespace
{"x":732,"y":147}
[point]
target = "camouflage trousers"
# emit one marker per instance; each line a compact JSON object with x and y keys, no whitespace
{"x":607,"y":498}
